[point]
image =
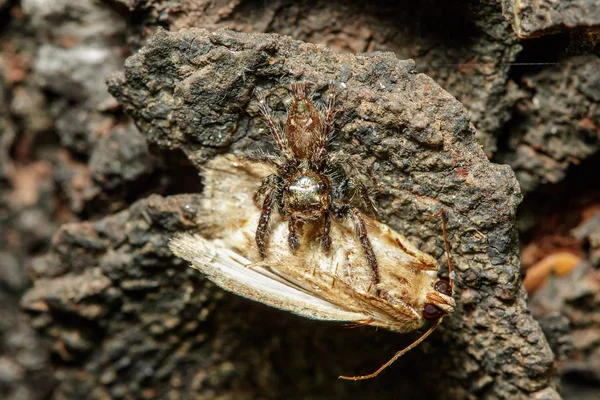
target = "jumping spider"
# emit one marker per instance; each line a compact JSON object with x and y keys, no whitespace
{"x":302,"y":188}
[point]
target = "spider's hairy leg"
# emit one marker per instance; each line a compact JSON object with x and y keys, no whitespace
{"x":293,"y":239}
{"x":259,"y":157}
{"x":325,"y":231}
{"x":328,"y":121}
{"x":321,"y":152}
{"x":273,"y":190}
{"x":346,"y":211}
{"x":276,"y":131}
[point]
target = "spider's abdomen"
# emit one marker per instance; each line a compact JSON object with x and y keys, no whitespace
{"x":306,"y":194}
{"x":303,"y":129}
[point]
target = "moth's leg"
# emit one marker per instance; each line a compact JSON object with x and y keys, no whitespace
{"x":325,"y":231}
{"x":346,"y":211}
{"x":272,"y":192}
{"x":293,"y":239}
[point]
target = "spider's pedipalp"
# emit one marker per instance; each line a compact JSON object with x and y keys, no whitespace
{"x":260,"y":157}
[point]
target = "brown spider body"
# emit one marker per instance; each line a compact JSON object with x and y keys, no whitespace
{"x":303,"y":190}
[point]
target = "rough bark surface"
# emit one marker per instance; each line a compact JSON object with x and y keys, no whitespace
{"x":531,"y":18}
{"x":567,"y":310}
{"x":68,"y":153}
{"x":192,"y":91}
{"x":558,"y":122}
{"x":466,"y":46}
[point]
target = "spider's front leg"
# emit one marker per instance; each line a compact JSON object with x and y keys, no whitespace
{"x":278,"y":135}
{"x":347,"y":211}
{"x":320,"y":153}
{"x":270,"y":182}
{"x":272,"y":189}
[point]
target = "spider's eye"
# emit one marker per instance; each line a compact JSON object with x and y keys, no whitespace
{"x":443,"y":287}
{"x":432,"y":312}
{"x":322,"y":187}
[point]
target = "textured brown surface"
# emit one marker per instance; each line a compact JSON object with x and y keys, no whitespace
{"x":531,"y":18}
{"x":466,"y":46}
{"x":421,"y":145}
{"x":558,"y":122}
{"x":567,"y":309}
{"x":55,"y":115}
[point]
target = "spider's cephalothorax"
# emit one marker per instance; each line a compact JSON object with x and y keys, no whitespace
{"x":302,"y":189}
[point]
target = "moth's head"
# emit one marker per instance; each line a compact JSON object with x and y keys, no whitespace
{"x":439,"y":301}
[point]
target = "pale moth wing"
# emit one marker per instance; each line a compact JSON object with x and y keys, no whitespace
{"x":231,"y":272}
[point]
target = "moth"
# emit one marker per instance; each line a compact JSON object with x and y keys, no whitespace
{"x":333,"y":284}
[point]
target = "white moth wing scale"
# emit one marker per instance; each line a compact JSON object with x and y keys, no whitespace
{"x":232,"y":272}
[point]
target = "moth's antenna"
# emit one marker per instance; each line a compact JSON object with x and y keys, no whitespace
{"x":396,"y":356}
{"x":446,"y":244}
{"x":447,"y":248}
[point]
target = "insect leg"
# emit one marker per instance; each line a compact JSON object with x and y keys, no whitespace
{"x":446,"y":244}
{"x":396,"y":356}
{"x":346,"y":211}
{"x":321,"y":151}
{"x":280,"y":140}
{"x":271,"y":188}
{"x":293,"y":239}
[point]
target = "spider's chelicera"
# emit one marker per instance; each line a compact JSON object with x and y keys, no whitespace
{"x":306,"y":186}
